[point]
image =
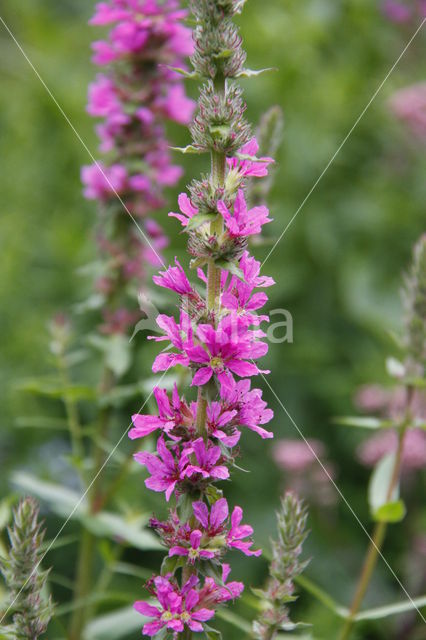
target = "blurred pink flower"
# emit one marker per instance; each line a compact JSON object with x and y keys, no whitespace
{"x":304,"y":475}
{"x":409,"y":106}
{"x":414,"y":451}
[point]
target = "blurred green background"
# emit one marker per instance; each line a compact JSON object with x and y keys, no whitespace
{"x":338,"y":268}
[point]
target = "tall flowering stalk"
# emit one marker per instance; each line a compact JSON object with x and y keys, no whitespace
{"x":217,"y":337}
{"x":386,"y":507}
{"x":30,"y":608}
{"x":134,"y":96}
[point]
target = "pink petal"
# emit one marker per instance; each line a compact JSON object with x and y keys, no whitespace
{"x":146,"y":609}
{"x":202,"y":376}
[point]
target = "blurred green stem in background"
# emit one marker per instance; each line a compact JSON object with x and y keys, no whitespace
{"x":84,"y":575}
{"x":379,"y":533}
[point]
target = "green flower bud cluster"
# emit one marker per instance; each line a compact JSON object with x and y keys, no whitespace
{"x":30,"y":609}
{"x":285,"y":567}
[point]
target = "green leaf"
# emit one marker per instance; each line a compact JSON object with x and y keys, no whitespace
{"x":223,"y":55}
{"x":115,"y":526}
{"x":191,"y":75}
{"x":392,"y":609}
{"x":395,"y":368}
{"x":188,"y":149}
{"x":231,"y":267}
{"x":213,"y":494}
{"x":62,"y":501}
{"x":363,"y":422}
{"x":185,"y":507}
{"x":117,"y":351}
{"x":111,"y":626}
{"x":234,"y":619}
{"x":52,"y":388}
{"x":391,"y":512}
{"x":250,"y":73}
{"x":41,"y":422}
{"x":171,"y":565}
{"x":322,"y":596}
{"x":5,"y":512}
{"x":67,"y":503}
{"x":200,"y":219}
{"x":378,"y":490}
{"x":212,"y":634}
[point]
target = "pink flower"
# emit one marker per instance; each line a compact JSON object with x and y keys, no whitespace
{"x":193,"y":552}
{"x":169,"y":415}
{"x":386,"y":441}
{"x":178,"y":334}
{"x":238,"y":532}
{"x":104,"y":102}
{"x":296,"y":455}
{"x":219,"y":424}
{"x":213,"y":595}
{"x":177,"y":106}
{"x":250,"y":168}
{"x":174,"y":278}
{"x":223,"y":350}
{"x":187,"y":209}
{"x":396,"y":11}
{"x":205,"y":463}
{"x":243,"y":222}
{"x":178,"y":607}
{"x":211,"y":523}
{"x":165,"y":470}
{"x":101,"y":181}
{"x":106,"y":13}
{"x":409,"y":106}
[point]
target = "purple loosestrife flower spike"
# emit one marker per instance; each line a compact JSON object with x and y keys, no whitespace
{"x":218,"y":338}
{"x":25,"y":581}
{"x":134,"y":96}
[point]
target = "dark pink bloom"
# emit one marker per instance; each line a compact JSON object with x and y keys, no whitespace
{"x":174,"y":278}
{"x":178,"y":335}
{"x":250,"y":168}
{"x":252,"y":410}
{"x":212,"y":595}
{"x":169,"y":415}
{"x":243,"y":222}
{"x":193,"y":552}
{"x":187,"y":209}
{"x":166,"y":471}
{"x":178,"y":607}
{"x":219,"y":422}
{"x":225,"y":349}
{"x":238,"y":532}
{"x":206,"y":458}
{"x":212,"y":523}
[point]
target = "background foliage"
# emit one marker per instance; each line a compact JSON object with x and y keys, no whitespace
{"x":338,"y":267}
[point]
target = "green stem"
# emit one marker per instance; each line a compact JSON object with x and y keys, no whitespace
{"x":218,"y":173}
{"x":379,"y":532}
{"x":83,"y":580}
{"x":71,"y":411}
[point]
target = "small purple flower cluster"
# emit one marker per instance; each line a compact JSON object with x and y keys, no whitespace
{"x":217,"y":338}
{"x":134,"y":96}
